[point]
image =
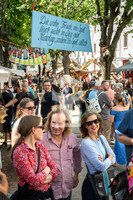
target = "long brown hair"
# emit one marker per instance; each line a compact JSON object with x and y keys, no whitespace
{"x":25,"y":128}
{"x":84,"y":131}
{"x":119,"y":98}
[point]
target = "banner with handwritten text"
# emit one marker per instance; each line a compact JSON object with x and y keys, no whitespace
{"x":49,"y":31}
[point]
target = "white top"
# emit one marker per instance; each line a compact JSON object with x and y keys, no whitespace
{"x":15,"y":135}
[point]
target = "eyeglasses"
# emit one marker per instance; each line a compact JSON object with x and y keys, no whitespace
{"x":42,"y":127}
{"x":47,"y":85}
{"x":96,"y":121}
{"x":30,"y":107}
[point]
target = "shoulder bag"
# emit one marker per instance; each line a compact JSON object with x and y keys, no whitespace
{"x":100,"y":181}
{"x":16,"y":195}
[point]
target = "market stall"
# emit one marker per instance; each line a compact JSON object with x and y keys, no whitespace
{"x":5,"y":76}
{"x":13,"y":72}
{"x":126,"y":69}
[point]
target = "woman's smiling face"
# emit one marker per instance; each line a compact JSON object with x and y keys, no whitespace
{"x":92,"y":124}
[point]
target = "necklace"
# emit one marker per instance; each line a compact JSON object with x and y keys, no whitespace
{"x":98,"y":145}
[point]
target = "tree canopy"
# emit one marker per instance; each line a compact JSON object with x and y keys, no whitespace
{"x":112,"y":16}
{"x":16,"y":17}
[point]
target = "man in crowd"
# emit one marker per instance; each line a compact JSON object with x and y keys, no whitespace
{"x":56,"y":90}
{"x":108,"y":90}
{"x":83,"y":97}
{"x":67,"y":92}
{"x":64,"y":149}
{"x":129,"y":79}
{"x":25,"y":93}
{"x":104,"y":103}
{"x":35,"y":79}
{"x":19,"y":94}
{"x":7,"y":96}
{"x":125,"y":133}
{"x":127,"y":90}
{"x":49,"y":100}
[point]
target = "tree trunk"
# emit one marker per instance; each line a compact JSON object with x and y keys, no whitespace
{"x":106,"y":68}
{"x":6,"y":56}
{"x":1,"y":55}
{"x":54,"y":66}
{"x":43,"y":71}
{"x":66,"y":61}
{"x":107,"y":56}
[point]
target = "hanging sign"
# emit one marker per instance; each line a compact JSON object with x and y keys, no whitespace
{"x":49,"y":31}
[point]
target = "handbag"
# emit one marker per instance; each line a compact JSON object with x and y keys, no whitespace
{"x":100,"y":181}
{"x":18,"y":192}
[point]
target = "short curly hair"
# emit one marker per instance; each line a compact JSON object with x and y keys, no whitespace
{"x":84,"y":131}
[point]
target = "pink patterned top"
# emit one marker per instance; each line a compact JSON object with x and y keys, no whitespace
{"x":25,"y":161}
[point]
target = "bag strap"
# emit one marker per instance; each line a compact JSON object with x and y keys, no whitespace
{"x":38,"y":161}
{"x":99,"y":93}
{"x":92,"y":183}
{"x":98,"y":96}
{"x":104,"y":147}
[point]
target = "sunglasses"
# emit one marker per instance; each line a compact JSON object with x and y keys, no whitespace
{"x":30,"y":108}
{"x":96,"y":121}
{"x":41,"y":127}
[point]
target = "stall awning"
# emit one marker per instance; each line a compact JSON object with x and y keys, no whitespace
{"x":4,"y":77}
{"x":13,"y":71}
{"x":128,"y":67}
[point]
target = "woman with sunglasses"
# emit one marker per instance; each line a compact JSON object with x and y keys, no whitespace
{"x":32,"y":162}
{"x":25,"y":107}
{"x":93,"y":151}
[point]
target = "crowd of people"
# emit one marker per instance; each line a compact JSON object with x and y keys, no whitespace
{"x":46,"y":154}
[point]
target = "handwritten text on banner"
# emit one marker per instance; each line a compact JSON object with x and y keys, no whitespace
{"x":53,"y":32}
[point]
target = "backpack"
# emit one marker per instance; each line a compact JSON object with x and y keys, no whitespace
{"x":93,"y":104}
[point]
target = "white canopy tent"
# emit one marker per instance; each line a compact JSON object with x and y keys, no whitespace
{"x":20,"y":73}
{"x":5,"y":76}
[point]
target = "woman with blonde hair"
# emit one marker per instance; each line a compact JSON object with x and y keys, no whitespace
{"x":93,"y":151}
{"x":25,"y":107}
{"x":116,"y":115}
{"x":32,"y":162}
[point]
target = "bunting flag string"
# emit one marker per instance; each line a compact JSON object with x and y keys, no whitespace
{"x":24,"y":56}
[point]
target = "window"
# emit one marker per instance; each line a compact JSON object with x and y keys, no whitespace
{"x":94,"y":28}
{"x":94,"y":48}
{"x":125,"y":40}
